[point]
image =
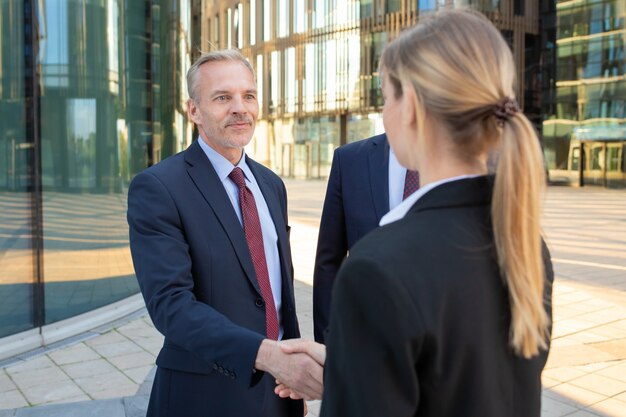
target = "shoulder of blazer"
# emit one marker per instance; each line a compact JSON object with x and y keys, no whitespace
{"x":374,"y":143}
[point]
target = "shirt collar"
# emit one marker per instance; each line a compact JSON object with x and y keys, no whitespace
{"x":403,"y":208}
{"x":223,"y":167}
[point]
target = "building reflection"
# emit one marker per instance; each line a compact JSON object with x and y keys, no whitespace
{"x":585,"y":104}
{"x":92,"y":92}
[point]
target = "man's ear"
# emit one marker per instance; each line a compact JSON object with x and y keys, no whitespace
{"x":193,"y":111}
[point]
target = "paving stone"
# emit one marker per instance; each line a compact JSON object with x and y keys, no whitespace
{"x":6,"y":384}
{"x":124,"y":347}
{"x":106,"y":338}
{"x":553,"y":408}
{"x":583,"y":413}
{"x":576,"y":395}
{"x":133,"y":360}
{"x":88,"y":368}
{"x":12,"y":399}
{"x":107,"y":408}
{"x":73,"y":354}
{"x":121,"y":391}
{"x":146,"y":386}
{"x":610,"y":407}
{"x":52,"y":392}
{"x":35,"y":377}
{"x":600,"y":384}
{"x":136,"y":406}
{"x":103,"y":382}
{"x":139,"y":374}
{"x":39,"y":362}
{"x":577,"y":355}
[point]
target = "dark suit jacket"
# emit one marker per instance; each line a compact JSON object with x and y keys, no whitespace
{"x":198,"y":281}
{"x":357,"y":198}
{"x":420,"y":318}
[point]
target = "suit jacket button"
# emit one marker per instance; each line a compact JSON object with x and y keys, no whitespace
{"x":259,"y":302}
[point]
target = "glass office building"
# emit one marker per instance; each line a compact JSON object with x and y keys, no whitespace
{"x":91,"y":92}
{"x":584,"y":102}
{"x":317,"y":66}
{"x":317,"y":61}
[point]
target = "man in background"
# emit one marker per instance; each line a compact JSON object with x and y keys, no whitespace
{"x":366,"y":181}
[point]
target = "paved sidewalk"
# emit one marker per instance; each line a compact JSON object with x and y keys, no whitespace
{"x":108,"y":372}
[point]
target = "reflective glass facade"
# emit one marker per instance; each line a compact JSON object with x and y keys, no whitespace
{"x":317,"y":66}
{"x":584,"y":99}
{"x":91,"y":92}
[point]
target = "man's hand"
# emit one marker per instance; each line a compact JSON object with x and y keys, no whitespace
{"x":298,"y":371}
{"x":315,"y":350}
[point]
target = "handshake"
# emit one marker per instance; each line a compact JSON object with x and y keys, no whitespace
{"x":297,"y":365}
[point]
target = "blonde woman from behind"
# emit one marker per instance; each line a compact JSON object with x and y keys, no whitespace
{"x":445,"y":310}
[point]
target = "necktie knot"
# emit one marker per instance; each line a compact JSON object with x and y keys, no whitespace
{"x":238,"y":177}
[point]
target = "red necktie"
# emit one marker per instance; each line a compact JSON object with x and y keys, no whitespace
{"x":254,"y":236}
{"x":411,"y":183}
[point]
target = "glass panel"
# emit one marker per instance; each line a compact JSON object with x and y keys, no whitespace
{"x":260,"y":83}
{"x":427,"y":5}
{"x":96,"y":111}
{"x":319,"y":14}
{"x":16,"y":152}
{"x":229,"y":28}
{"x":290,"y":80}
{"x":275,"y":101}
{"x":239,"y":25}
{"x":283,"y":18}
{"x":267,"y":20}
{"x":299,"y":16}
{"x":393,"y":6}
{"x":366,"y":8}
{"x":253,"y":18}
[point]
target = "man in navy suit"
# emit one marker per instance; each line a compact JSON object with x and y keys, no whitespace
{"x":209,"y":241}
{"x":366,"y":181}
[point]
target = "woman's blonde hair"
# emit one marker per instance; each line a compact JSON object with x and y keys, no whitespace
{"x":463,"y":74}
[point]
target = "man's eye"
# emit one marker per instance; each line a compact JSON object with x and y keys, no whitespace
{"x":221,"y":98}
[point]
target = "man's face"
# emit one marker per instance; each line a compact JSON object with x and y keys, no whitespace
{"x":226,"y":107}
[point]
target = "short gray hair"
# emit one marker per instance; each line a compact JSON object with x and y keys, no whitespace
{"x":213,"y":56}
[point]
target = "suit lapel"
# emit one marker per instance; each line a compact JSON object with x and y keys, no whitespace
{"x":210,"y":186}
{"x":378,"y":161}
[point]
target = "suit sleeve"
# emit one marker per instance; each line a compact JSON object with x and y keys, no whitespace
{"x":163,"y":267}
{"x":373,"y":345}
{"x":332,"y":248}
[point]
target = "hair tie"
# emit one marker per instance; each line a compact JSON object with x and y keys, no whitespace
{"x":504,"y":109}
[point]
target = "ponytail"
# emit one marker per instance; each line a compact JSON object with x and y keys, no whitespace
{"x":516,"y":211}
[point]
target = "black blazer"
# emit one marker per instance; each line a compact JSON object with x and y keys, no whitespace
{"x":198,"y":281}
{"x":420,"y":318}
{"x":357,"y":197}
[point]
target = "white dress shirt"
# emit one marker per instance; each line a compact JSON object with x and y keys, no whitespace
{"x":223,"y":167}
{"x":397,"y":174}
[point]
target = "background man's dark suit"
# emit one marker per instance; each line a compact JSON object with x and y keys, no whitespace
{"x":420,"y":318}
{"x":198,"y":281}
{"x":357,"y":198}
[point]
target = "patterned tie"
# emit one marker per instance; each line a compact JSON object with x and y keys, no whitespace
{"x":254,"y":236}
{"x":411,"y":183}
